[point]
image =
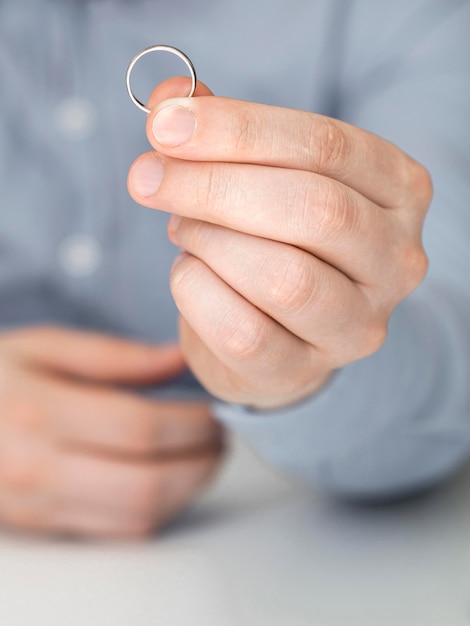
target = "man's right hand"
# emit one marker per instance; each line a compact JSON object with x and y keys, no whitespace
{"x":79,"y":454}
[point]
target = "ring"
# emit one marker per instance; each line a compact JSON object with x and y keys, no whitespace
{"x":158,"y":48}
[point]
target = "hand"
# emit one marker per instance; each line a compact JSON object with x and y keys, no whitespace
{"x":302,"y":234}
{"x":80,"y":456}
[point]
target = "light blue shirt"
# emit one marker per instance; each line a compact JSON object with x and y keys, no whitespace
{"x":75,"y":250}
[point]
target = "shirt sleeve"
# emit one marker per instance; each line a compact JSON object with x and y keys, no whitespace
{"x":397,"y":421}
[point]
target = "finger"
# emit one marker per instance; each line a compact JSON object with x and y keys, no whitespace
{"x":306,"y":210}
{"x":25,"y":512}
{"x":232,"y":386}
{"x":251,"y":345}
{"x":26,"y":462}
{"x":71,"y":519}
{"x":94,"y":356}
{"x":139,"y":496}
{"x":307,"y":296}
{"x":175,"y":87}
{"x":25,"y":459}
{"x":46,"y":407}
{"x":227,"y":130}
{"x":78,"y":520}
{"x":125,"y":424}
{"x":94,"y":496}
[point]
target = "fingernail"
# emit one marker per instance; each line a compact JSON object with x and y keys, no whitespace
{"x":173,"y":126}
{"x":146,"y":175}
{"x":173,"y":224}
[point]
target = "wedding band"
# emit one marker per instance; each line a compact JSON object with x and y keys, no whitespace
{"x":158,"y":48}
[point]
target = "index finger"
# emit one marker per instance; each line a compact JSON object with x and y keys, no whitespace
{"x":228,"y":130}
{"x":175,"y":87}
{"x":92,"y":355}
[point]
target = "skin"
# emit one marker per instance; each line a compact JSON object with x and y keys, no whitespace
{"x":303,"y":234}
{"x":79,"y":454}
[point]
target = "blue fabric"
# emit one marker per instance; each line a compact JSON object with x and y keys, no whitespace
{"x":390,"y":423}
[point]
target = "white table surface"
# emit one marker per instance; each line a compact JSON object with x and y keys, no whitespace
{"x":257,"y":551}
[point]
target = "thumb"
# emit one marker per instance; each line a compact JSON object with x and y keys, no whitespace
{"x":93,"y":356}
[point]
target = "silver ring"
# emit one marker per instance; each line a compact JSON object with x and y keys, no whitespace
{"x":158,"y":48}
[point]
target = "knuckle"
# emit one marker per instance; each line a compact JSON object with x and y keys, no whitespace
{"x":299,"y":201}
{"x":421,"y":185}
{"x":292,"y":288}
{"x":375,"y":337}
{"x":415,"y":263}
{"x":243,"y":336}
{"x":18,"y":472}
{"x":244,"y":133}
{"x":329,"y":146}
{"x":213,"y":187}
{"x":335,"y":215}
{"x":416,"y":186}
{"x":189,"y":272}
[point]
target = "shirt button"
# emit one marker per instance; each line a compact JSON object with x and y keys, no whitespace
{"x":79,"y":255}
{"x":75,"y":118}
